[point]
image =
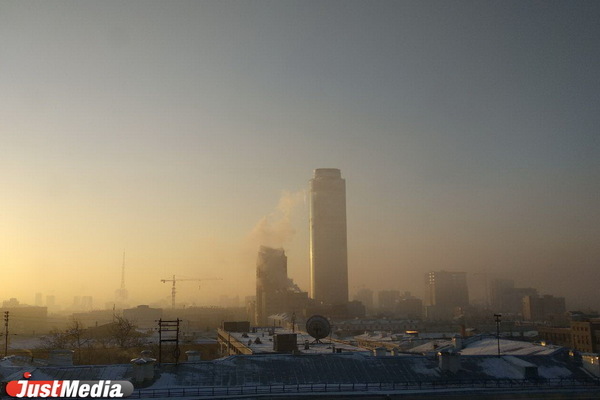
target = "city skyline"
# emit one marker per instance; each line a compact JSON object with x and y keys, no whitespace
{"x":185,"y":133}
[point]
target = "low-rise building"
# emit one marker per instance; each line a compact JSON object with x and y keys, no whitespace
{"x":143,"y":316}
{"x":26,"y":319}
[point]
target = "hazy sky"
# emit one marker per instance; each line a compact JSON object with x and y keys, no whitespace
{"x":185,"y":133}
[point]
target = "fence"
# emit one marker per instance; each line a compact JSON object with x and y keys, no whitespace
{"x":211,"y":391}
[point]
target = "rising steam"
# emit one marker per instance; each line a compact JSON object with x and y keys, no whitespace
{"x":276,"y":229}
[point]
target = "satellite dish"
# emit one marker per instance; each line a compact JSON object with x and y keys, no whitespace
{"x":318,"y":327}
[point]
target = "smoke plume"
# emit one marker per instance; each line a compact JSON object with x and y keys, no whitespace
{"x":276,"y":229}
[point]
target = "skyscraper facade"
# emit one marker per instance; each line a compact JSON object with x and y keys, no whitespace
{"x":328,"y":241}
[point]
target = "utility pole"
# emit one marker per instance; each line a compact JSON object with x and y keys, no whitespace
{"x":497,"y":319}
{"x":168,"y":328}
{"x":6,"y":333}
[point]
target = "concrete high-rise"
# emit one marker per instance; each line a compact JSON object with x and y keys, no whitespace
{"x":271,"y":280}
{"x":275,"y":292}
{"x":328,"y":241}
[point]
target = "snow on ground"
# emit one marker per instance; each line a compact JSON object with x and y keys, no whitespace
{"x":489,"y":346}
{"x":114,"y":370}
{"x":166,"y":380}
{"x":421,"y":368}
{"x":228,"y":361}
{"x":430,"y":346}
{"x":554,"y":371}
{"x":499,"y":368}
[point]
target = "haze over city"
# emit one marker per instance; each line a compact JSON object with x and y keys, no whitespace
{"x":185,"y":133}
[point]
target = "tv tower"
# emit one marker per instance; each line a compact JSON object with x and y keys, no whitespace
{"x":121,"y":293}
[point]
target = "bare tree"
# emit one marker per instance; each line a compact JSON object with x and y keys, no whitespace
{"x":55,"y":339}
{"x":78,"y":337}
{"x":123,"y":334}
{"x":105,"y":344}
{"x":73,"y":338}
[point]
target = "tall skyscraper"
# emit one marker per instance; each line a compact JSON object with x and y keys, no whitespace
{"x":328,"y":242}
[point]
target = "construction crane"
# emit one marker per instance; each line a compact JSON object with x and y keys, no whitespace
{"x":173,"y":290}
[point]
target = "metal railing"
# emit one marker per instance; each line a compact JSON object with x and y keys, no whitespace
{"x":491,"y":384}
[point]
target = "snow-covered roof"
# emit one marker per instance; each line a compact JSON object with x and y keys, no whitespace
{"x":432,"y":345}
{"x":265,"y":342}
{"x":269,"y":369}
{"x":489,"y":346}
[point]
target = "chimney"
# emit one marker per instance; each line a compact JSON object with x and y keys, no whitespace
{"x":143,"y":368}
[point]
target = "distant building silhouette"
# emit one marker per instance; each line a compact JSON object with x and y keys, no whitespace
{"x":275,"y":292}
{"x":387,"y":301}
{"x":409,"y":307}
{"x":365,"y":296}
{"x":447,"y":294}
{"x":24,"y":319}
{"x":544,"y":308}
{"x":50,"y":301}
{"x":506,"y":298}
{"x":39,"y":301}
{"x":328,"y":241}
{"x":393,"y":303}
{"x":143,"y":316}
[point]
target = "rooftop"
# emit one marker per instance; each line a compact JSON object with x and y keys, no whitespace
{"x":291,"y":374}
{"x":489,"y":346}
{"x":269,"y":369}
{"x":265,"y":343}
